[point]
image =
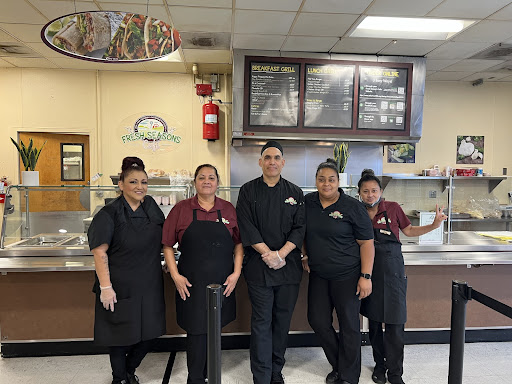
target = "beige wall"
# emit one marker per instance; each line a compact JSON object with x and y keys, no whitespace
{"x":95,"y":103}
{"x":454,"y":108}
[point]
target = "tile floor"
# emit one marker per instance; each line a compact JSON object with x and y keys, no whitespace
{"x":484,"y":363}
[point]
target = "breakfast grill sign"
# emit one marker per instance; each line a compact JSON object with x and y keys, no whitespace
{"x":107,"y":36}
{"x":152,"y":132}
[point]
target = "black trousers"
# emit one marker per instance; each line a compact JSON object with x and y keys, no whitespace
{"x":272,"y":309}
{"x":388,"y":349}
{"x":196,"y":358}
{"x":343,"y":350}
{"x":126,"y":359}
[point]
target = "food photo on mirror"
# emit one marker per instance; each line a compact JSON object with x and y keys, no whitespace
{"x":470,"y":149}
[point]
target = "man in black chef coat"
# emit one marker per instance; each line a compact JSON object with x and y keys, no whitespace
{"x":271,"y":217}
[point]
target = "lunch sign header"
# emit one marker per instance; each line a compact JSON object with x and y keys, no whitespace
{"x":299,"y":95}
{"x":105,"y":36}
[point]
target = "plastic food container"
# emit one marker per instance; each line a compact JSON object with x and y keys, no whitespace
{"x":465,"y":172}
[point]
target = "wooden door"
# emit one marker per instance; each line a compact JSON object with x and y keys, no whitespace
{"x":50,"y":171}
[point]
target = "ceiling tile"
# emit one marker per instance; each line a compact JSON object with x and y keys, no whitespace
{"x":309,"y":44}
{"x":336,"y":6}
{"x":143,"y":2}
{"x":203,"y":3}
{"x":263,"y":22}
{"x":505,"y":67}
{"x":437,"y":65}
{"x":202,"y":56}
{"x":486,"y":31}
{"x":486,"y":76}
{"x":270,"y":42}
{"x":30,"y":62}
{"x":5,"y":64}
{"x":162,"y":66}
{"x":6,"y":38}
{"x":449,"y":76}
{"x":156,"y":11}
{"x":456,"y":50}
{"x":476,"y":9}
{"x":16,"y":10}
{"x":269,"y":5}
{"x":402,"y":7}
{"x":360,"y":45}
{"x":323,"y":24}
{"x":469,"y":65}
{"x":28,"y":33}
{"x":55,"y":9}
{"x":70,"y":63}
{"x":503,"y":14}
{"x":411,"y":47}
{"x":428,"y":73}
{"x":195,"y":19}
{"x":45,"y":51}
{"x":507,"y":79}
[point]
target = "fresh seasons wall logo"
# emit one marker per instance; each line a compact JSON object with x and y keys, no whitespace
{"x":111,"y":37}
{"x":153,"y":132}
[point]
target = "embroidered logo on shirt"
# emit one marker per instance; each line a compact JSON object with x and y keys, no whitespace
{"x":385,"y":232}
{"x":382,"y":220}
{"x":336,"y":215}
{"x":291,"y":201}
{"x":224,"y":221}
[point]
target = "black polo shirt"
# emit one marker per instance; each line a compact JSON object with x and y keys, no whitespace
{"x":331,"y":235}
{"x":271,"y":215}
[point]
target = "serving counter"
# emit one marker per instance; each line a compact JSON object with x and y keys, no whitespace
{"x":54,"y":306}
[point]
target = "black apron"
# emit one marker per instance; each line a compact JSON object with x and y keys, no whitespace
{"x":206,"y":258}
{"x":136,"y":275}
{"x":387,"y":303}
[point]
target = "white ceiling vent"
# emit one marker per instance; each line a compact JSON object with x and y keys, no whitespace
{"x":206,"y":40}
{"x":496,"y":52}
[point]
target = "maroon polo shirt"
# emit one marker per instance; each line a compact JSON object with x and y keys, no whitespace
{"x":397,"y":218}
{"x":181,"y":216}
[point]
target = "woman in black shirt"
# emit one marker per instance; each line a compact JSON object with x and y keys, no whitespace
{"x":338,"y":253}
{"x":125,"y":238}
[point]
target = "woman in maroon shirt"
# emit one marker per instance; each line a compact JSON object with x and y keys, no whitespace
{"x":206,"y":229}
{"x":387,"y":303}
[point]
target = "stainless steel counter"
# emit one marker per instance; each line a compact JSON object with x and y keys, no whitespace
{"x":467,"y":248}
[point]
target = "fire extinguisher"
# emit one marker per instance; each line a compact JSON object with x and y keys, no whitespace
{"x":210,"y":121}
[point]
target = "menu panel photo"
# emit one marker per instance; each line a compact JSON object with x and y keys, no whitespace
{"x":274,"y":94}
{"x":382,"y":98}
{"x":329,"y":94}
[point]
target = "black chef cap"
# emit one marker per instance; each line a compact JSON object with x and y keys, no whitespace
{"x":272,"y":143}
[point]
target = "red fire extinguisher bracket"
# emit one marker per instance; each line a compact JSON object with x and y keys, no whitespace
{"x":210,"y":121}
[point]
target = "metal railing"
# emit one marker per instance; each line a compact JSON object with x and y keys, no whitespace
{"x":461,"y":293}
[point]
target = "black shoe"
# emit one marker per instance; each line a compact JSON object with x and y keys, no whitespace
{"x":332,"y":377}
{"x":397,"y":381}
{"x":119,"y":382}
{"x":132,"y":378}
{"x":379,"y":376}
{"x":277,"y":378}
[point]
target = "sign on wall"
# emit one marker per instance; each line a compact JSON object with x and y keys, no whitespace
{"x":152,"y":132}
{"x":106,"y":36}
{"x":470,"y":149}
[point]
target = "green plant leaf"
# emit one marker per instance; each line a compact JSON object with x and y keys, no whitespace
{"x":39,"y":152}
{"x":32,"y":160}
{"x":30,"y":145}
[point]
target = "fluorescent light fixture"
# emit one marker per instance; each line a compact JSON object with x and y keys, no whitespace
{"x":409,"y":28}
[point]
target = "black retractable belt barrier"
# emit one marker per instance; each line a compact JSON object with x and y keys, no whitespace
{"x":461,"y":293}
{"x":214,"y":299}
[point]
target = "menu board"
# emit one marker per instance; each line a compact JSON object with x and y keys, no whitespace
{"x":274,"y":94}
{"x":329,"y":94}
{"x":382,"y":98}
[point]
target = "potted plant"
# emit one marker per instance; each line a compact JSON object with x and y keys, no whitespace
{"x":29,"y":156}
{"x":341,"y":155}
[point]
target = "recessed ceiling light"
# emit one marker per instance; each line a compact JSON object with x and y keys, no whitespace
{"x":409,"y":28}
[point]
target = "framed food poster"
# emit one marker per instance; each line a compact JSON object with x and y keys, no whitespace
{"x":106,"y":36}
{"x":401,"y":153}
{"x":470,"y":149}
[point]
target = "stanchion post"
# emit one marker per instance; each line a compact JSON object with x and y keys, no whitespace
{"x":461,"y":293}
{"x":214,"y":300}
